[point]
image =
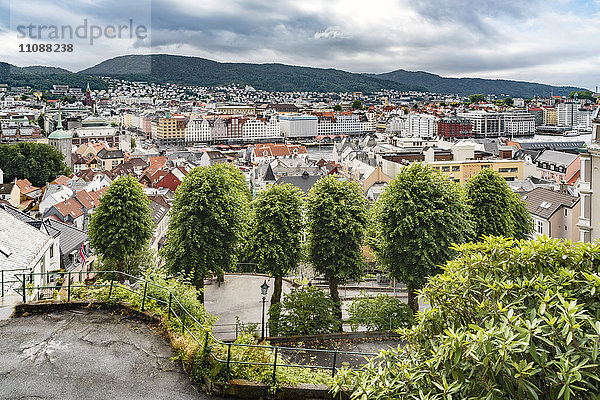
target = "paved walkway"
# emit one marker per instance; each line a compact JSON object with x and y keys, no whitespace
{"x":238,"y":296}
{"x":7,"y":304}
{"x":88,"y":355}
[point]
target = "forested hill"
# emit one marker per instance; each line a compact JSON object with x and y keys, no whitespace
{"x":273,"y":77}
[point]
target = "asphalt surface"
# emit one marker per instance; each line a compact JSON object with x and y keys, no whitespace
{"x":239,"y":296}
{"x":88,"y":355}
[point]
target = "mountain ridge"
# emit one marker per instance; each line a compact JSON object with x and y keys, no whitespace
{"x":466,"y":86}
{"x":198,"y":71}
{"x":269,"y":76}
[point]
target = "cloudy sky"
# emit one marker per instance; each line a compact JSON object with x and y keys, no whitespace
{"x":550,"y":41}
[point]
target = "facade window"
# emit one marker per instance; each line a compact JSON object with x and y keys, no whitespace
{"x":445,"y":169}
{"x":540,"y":227}
{"x":51,"y":251}
{"x":566,"y":212}
{"x":455,"y":168}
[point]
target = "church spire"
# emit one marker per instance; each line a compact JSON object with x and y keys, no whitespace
{"x":59,"y":125}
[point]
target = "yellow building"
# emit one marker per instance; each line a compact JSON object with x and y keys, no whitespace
{"x":462,"y":171}
{"x":235,"y":110}
{"x":171,"y":129}
{"x":550,"y":117}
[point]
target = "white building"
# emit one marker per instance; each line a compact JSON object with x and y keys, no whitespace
{"x":519,"y":123}
{"x":589,"y":187}
{"x":485,"y":124}
{"x":259,"y":128}
{"x":26,"y":248}
{"x":566,"y":114}
{"x":198,"y":130}
{"x":421,"y":125}
{"x":298,"y":126}
{"x":344,"y":124}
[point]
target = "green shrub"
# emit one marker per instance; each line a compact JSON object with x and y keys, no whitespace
{"x":508,"y":320}
{"x":307,"y":310}
{"x":380,"y":313}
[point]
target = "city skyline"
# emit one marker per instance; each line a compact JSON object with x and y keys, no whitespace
{"x":550,"y":42}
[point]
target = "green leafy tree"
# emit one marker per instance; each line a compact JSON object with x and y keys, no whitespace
{"x":495,"y":209}
{"x":582,"y":94}
{"x":357,"y":104}
{"x":380,"y":313}
{"x":306,"y":311}
{"x":133,"y":143}
{"x":208,"y":216}
{"x":121,"y":226}
{"x":509,"y":101}
{"x":275,"y":236}
{"x":508,"y":320}
{"x":40,"y":121}
{"x":337,"y":107}
{"x":476,"y":98}
{"x":337,"y":215}
{"x":40,"y":163}
{"x":416,"y":220}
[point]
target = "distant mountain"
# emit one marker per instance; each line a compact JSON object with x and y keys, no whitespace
{"x":467,"y":86}
{"x":163,"y":68}
{"x":273,"y":77}
{"x":42,"y":70}
{"x":42,"y":78}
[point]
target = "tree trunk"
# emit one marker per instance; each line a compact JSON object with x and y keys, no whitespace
{"x":121,"y":277}
{"x":277,"y":289}
{"x":275,"y":312}
{"x":335,"y":296}
{"x":200,"y":288}
{"x":413,"y":301}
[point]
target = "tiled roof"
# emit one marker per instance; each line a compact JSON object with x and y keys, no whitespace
{"x":557,"y":158}
{"x":6,"y":188}
{"x":25,"y":186}
{"x":70,"y":207}
{"x":158,"y":211}
{"x":61,"y":180}
{"x":110,"y":154}
{"x":71,"y":239}
{"x":544,"y":202}
{"x":21,"y":245}
{"x":305,"y":181}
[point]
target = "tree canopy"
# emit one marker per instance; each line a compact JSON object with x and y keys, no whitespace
{"x":337,"y":215}
{"x":121,"y":226}
{"x":508,"y":320}
{"x":476,"y":98}
{"x":275,"y":236}
{"x":582,"y":94}
{"x":357,"y":104}
{"x":209,"y":213}
{"x":495,"y":209}
{"x":40,"y":163}
{"x":416,"y":220}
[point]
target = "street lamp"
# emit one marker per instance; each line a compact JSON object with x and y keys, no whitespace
{"x":264,"y":288}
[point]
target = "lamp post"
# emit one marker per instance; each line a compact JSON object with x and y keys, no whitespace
{"x":264,"y":288}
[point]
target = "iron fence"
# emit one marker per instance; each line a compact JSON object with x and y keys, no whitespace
{"x":294,"y":357}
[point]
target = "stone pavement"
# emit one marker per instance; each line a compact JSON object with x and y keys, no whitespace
{"x":88,"y":355}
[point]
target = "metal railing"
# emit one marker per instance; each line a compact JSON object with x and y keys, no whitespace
{"x":176,"y":310}
{"x":8,"y":278}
